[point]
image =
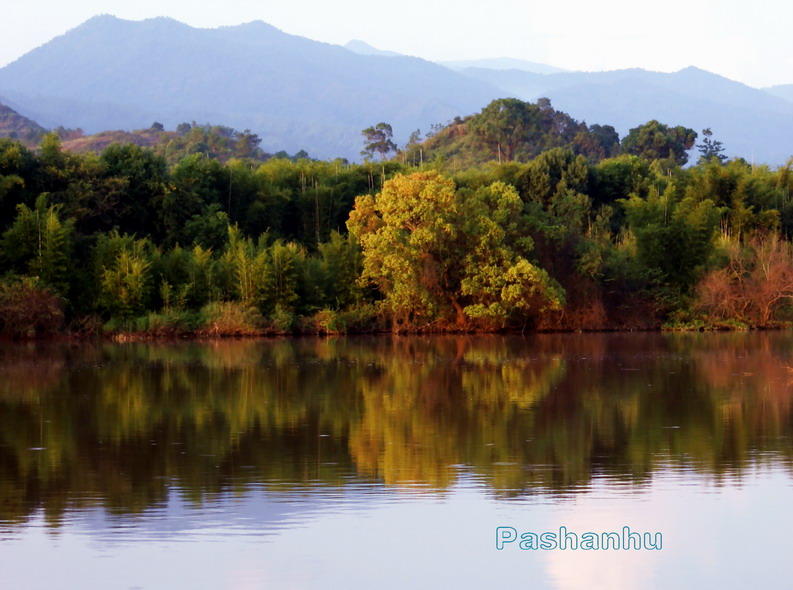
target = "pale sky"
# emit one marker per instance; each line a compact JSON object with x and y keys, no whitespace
{"x":748,"y":42}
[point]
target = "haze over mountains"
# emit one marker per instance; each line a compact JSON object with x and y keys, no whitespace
{"x":295,"y":93}
{"x":302,"y":94}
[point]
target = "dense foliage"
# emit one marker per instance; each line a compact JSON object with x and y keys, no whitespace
{"x":510,"y":130}
{"x":549,"y":237}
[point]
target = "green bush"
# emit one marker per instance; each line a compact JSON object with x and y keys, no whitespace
{"x":325,"y":321}
{"x":282,"y":320}
{"x":229,"y":318}
{"x":170,"y":323}
{"x":363,"y":319}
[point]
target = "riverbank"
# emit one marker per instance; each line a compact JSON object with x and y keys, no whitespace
{"x":165,"y":327}
{"x":43,"y":315}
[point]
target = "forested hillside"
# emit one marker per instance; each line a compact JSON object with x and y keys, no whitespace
{"x":15,"y":126}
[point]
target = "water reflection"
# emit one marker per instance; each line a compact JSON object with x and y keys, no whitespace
{"x":122,"y":426}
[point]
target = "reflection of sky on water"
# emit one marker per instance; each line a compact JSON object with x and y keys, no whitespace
{"x":727,"y":534}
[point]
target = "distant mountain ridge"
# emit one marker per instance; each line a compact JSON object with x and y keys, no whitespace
{"x":296,"y":93}
{"x":363,"y":48}
{"x":503,"y":63}
{"x":784,"y":91}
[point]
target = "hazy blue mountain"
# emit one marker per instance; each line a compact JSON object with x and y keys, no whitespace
{"x":782,"y":91}
{"x":301,"y":94}
{"x":750,"y":122}
{"x":503,"y":63}
{"x":363,"y":48}
{"x":295,"y":93}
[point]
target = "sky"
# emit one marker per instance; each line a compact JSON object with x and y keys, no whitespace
{"x":746,"y":42}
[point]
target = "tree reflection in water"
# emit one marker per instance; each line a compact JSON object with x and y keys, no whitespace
{"x":119,"y":425}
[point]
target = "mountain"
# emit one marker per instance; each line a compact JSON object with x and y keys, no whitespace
{"x":503,"y":63}
{"x":782,"y":91}
{"x":362,"y":48}
{"x":15,"y":126}
{"x":294,"y":93}
{"x":750,"y":122}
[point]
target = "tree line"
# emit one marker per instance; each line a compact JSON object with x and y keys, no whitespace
{"x":529,"y":236}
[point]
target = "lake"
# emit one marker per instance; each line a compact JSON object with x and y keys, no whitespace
{"x":399,"y":462}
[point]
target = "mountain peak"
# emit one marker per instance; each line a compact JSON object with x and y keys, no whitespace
{"x":255,"y":25}
{"x":100,"y":18}
{"x":111,"y":24}
{"x":695,"y":71}
{"x":363,"y":48}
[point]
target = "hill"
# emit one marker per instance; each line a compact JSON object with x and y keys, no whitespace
{"x":213,"y":141}
{"x":15,"y":126}
{"x":511,"y":130}
{"x":750,"y":122}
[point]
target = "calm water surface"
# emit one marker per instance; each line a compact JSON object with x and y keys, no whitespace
{"x":390,"y":462}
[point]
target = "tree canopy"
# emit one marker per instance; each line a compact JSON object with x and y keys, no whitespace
{"x":378,"y":140}
{"x":656,"y":141}
{"x":442,"y":255}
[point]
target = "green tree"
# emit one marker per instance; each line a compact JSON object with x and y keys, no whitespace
{"x":499,"y":282}
{"x":247,"y":144}
{"x":406,"y":233}
{"x":286,"y":266}
{"x":16,"y":164}
{"x":503,"y":125}
{"x":656,"y":141}
{"x":709,"y":149}
{"x":39,"y":244}
{"x":145,"y":175}
{"x":606,"y":139}
{"x":342,"y":263}
{"x":250,"y":267}
{"x":674,"y":237}
{"x":446,"y":256}
{"x":125,"y":285}
{"x":378,"y":139}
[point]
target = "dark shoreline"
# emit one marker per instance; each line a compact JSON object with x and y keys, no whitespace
{"x":197,"y":336}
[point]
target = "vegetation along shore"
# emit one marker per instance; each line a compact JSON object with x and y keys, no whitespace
{"x":516,"y":218}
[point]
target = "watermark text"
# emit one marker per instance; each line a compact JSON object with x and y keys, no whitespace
{"x":625,"y":539}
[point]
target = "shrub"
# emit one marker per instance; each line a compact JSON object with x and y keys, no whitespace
{"x":230,"y":318}
{"x":27,"y":309}
{"x":282,"y":320}
{"x":325,"y":321}
{"x":754,"y":286}
{"x":363,"y":319}
{"x":170,"y":323}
